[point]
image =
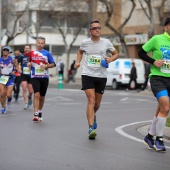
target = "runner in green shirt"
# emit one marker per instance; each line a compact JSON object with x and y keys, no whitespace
{"x":159,"y":45}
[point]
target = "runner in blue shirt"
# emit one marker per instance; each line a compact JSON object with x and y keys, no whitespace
{"x":6,"y":77}
{"x":25,"y":76}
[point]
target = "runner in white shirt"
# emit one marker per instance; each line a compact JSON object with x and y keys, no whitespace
{"x":94,"y":73}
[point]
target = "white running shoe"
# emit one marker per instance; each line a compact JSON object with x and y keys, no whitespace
{"x":26,"y":106}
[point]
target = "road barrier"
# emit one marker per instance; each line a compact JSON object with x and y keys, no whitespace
{"x":60,"y":81}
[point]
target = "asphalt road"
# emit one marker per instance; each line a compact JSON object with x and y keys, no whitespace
{"x":61,"y":141}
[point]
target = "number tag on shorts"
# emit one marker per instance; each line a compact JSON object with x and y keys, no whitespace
{"x":166,"y":67}
{"x":39,"y":71}
{"x":94,"y":61}
{"x":26,"y":70}
{"x":4,"y":79}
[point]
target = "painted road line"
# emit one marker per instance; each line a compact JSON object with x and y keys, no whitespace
{"x":121,"y":132}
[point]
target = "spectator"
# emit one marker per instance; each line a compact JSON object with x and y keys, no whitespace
{"x":73,"y":71}
{"x":133,"y":77}
{"x":60,"y":67}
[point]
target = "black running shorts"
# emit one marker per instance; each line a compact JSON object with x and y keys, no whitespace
{"x":26,"y":78}
{"x":159,"y":83}
{"x":96,"y":83}
{"x":40,"y":85}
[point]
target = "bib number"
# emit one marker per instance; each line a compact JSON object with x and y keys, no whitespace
{"x":94,"y":61}
{"x":166,"y":67}
{"x":4,"y":79}
{"x":39,"y":71}
{"x":26,"y":70}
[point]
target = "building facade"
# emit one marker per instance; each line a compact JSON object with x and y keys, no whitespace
{"x":137,"y":29}
{"x":55,"y":19}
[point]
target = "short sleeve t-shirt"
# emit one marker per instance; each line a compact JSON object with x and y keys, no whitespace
{"x":94,"y":52}
{"x":37,"y":58}
{"x":7,"y":67}
{"x":159,"y":45}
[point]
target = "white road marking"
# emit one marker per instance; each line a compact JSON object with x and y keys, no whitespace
{"x":127,"y":99}
{"x":142,"y":100}
{"x":124,"y":99}
{"x":59,"y":98}
{"x":121,"y":132}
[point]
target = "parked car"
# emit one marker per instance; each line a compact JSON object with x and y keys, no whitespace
{"x":119,"y":71}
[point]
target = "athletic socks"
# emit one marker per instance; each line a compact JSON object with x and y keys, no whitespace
{"x":160,"y":125}
{"x":9,"y":99}
{"x":152,"y":130}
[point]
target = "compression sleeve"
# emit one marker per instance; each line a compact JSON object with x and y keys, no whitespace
{"x":143,"y":55}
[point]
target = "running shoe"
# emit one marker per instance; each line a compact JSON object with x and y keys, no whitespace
{"x":29,"y":101}
{"x":36,"y":117}
{"x":16,"y":97}
{"x":8,"y":105}
{"x":92,"y":133}
{"x":3,"y":110}
{"x":95,"y":123}
{"x":26,"y":106}
{"x":40,"y":117}
{"x":149,"y":142}
{"x":159,"y":144}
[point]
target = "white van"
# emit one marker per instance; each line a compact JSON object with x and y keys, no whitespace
{"x":119,"y":71}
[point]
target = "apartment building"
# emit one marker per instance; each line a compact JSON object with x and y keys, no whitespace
{"x":137,"y":28}
{"x":49,"y":18}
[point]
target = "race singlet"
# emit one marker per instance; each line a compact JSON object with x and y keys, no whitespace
{"x":166,"y":67}
{"x":4,"y":79}
{"x":94,"y":61}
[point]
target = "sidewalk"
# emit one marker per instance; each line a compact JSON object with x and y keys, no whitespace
{"x":145,"y":129}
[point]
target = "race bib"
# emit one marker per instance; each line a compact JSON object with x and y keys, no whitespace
{"x":4,"y":79}
{"x":166,"y":67}
{"x":94,"y":61}
{"x":40,"y":71}
{"x":26,"y":70}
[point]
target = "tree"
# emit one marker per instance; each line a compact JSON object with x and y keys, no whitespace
{"x":14,"y":18}
{"x":68,"y":17}
{"x":75,"y":18}
{"x":149,"y":16}
{"x":149,"y":13}
{"x":36,"y":22}
{"x":160,"y":11}
{"x":118,"y":31}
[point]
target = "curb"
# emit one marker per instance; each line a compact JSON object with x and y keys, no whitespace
{"x":145,"y":129}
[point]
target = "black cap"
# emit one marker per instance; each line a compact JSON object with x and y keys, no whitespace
{"x":167,"y":21}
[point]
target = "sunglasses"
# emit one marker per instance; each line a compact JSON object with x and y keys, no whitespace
{"x":95,"y":28}
{"x":5,"y":50}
